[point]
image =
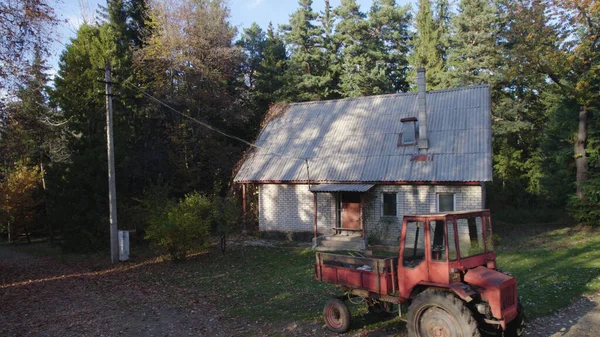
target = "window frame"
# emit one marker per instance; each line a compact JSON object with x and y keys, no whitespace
{"x":383,"y":215}
{"x":437,"y":201}
{"x":410,"y":123}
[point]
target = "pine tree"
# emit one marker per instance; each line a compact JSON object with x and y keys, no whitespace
{"x":443,"y":16}
{"x":475,"y":54}
{"x":389,"y":28}
{"x":330,"y":47}
{"x":426,"y":52}
{"x":82,"y":192}
{"x":305,"y":78}
{"x":352,"y":34}
{"x":253,"y":43}
{"x":270,"y":75}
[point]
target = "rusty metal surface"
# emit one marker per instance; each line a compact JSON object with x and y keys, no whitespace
{"x":356,"y":139}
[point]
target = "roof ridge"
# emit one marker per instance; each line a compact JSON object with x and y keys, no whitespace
{"x":467,"y":87}
{"x":411,"y":93}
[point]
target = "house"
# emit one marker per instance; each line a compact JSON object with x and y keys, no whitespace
{"x":347,"y":170}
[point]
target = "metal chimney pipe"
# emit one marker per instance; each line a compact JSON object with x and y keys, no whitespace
{"x":422,"y":97}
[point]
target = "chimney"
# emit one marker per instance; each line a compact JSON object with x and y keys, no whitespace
{"x":423,"y":140}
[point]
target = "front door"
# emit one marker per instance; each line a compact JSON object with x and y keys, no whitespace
{"x":350,"y":209}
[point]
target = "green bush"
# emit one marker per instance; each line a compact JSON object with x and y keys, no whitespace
{"x":177,"y":228}
{"x":226,"y":215}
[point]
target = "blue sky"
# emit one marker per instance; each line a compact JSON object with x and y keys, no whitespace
{"x":243,"y":14}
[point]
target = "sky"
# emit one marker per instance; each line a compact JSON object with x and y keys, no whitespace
{"x":243,"y":13}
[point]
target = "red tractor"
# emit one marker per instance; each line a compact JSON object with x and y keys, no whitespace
{"x":445,"y":271}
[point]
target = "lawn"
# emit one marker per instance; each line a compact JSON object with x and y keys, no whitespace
{"x":553,"y":266}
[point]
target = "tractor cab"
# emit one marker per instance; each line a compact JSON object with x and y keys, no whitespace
{"x":441,"y":247}
{"x":455,"y":250}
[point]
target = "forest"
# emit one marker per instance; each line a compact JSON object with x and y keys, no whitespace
{"x":179,"y":65}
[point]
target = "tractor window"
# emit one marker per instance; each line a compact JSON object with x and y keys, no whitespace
{"x":438,"y":244}
{"x":470,"y":236}
{"x":451,"y":243}
{"x":414,"y":244}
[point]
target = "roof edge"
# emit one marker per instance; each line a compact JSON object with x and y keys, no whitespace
{"x":465,"y":183}
{"x":390,"y":95}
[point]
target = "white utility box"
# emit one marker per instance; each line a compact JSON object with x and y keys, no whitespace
{"x":123,"y":245}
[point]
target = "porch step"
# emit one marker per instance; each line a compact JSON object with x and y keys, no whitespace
{"x":342,"y":238}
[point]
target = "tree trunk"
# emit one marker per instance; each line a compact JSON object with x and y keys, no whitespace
{"x":48,"y":222}
{"x":579,"y":149}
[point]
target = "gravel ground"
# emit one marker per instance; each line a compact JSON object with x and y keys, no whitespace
{"x":580,"y":319}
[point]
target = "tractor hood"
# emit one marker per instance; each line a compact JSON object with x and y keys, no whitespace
{"x":486,"y":278}
{"x":499,"y":290}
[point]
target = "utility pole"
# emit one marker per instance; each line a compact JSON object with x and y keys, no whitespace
{"x":112,"y":190}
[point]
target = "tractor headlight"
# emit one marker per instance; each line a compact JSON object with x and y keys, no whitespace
{"x":483,"y":308}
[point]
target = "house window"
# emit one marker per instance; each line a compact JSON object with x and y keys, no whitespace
{"x":389,"y":204}
{"x":446,"y":202}
{"x":410,"y":132}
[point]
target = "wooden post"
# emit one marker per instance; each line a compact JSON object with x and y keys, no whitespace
{"x":315,"y":206}
{"x":362,"y":213}
{"x":244,"y":209}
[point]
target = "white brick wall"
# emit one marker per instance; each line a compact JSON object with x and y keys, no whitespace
{"x":290,"y":207}
{"x":413,"y":199}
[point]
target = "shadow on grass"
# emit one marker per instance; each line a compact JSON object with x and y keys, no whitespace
{"x":376,"y":325}
{"x":553,"y":268}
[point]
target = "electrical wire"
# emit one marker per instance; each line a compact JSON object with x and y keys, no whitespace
{"x":210,"y":127}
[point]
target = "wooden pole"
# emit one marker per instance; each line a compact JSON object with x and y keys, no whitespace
{"x":315,"y":206}
{"x":112,"y":190}
{"x":244,"y":208}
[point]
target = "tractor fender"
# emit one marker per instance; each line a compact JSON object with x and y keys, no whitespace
{"x":461,"y":290}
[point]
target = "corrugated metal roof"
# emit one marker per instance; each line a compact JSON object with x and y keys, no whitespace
{"x":356,"y":139}
{"x":341,"y":188}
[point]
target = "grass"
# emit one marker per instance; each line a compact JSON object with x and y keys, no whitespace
{"x":257,"y":283}
{"x":553,"y":265}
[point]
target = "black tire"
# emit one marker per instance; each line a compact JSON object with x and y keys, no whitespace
{"x":516,"y":327}
{"x":336,"y":315}
{"x":440,"y":314}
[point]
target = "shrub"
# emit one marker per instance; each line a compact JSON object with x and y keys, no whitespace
{"x":179,"y":227}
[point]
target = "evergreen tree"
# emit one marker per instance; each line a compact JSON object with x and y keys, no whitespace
{"x":269,"y":83}
{"x":352,"y":34}
{"x":443,"y":16}
{"x":81,"y":185}
{"x":426,"y":41}
{"x":191,"y":63}
{"x":305,"y":78}
{"x":253,"y":43}
{"x":475,"y":57}
{"x":389,"y":29}
{"x":330,"y":47}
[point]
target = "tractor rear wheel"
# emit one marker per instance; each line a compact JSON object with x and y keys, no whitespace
{"x":336,"y":315}
{"x":440,"y":314}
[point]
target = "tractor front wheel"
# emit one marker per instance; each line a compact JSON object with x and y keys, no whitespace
{"x":440,"y":314}
{"x":516,"y":328}
{"x":336,"y":315}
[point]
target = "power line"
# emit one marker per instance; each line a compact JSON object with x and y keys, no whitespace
{"x":208,"y":126}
